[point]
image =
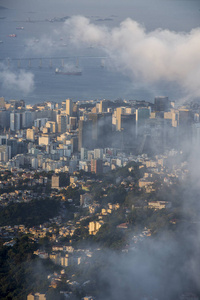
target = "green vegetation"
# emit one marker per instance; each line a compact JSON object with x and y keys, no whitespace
{"x":110,"y":237}
{"x":72,"y":193}
{"x":30,"y":214}
{"x":21,"y":272}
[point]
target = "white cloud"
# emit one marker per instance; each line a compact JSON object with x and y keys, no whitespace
{"x":147,"y":57}
{"x":22,"y":81}
{"x":45,"y":45}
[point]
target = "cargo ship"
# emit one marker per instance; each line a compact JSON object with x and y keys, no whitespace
{"x":62,"y":72}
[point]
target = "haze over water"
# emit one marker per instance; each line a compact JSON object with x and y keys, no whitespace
{"x":36,"y":81}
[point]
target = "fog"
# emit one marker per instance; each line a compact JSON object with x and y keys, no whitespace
{"x":22,"y":81}
{"x":155,"y":60}
{"x":163,"y":266}
{"x":146,"y":57}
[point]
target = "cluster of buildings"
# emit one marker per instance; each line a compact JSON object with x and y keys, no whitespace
{"x":92,"y":135}
{"x":97,"y":137}
{"x":18,"y":186}
{"x":162,"y":170}
{"x":38,"y":296}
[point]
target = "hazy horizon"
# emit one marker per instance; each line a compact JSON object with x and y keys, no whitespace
{"x":178,"y":15}
{"x":42,"y":38}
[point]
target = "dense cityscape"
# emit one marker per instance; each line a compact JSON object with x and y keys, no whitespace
{"x":95,"y":193}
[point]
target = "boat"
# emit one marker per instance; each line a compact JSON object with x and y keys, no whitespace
{"x":20,"y":28}
{"x":62,"y":72}
{"x":12,"y":35}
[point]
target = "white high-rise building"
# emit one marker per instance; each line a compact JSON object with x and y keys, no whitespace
{"x":16,"y":121}
{"x":98,"y":153}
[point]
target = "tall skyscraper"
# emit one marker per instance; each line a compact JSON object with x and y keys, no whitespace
{"x":74,"y":143}
{"x":142,"y":114}
{"x":4,"y":118}
{"x":185,"y":119}
{"x":98,"y":153}
{"x":85,"y":134}
{"x":69,"y":107}
{"x":27,"y":119}
{"x":103,"y":105}
{"x":161,"y":103}
{"x":5,"y":153}
{"x":16,"y":121}
{"x":73,"y":123}
{"x":128,"y":130}
{"x":2,"y":102}
{"x":62,"y":121}
{"x":97,"y":166}
{"x":119,"y":112}
{"x":101,"y":129}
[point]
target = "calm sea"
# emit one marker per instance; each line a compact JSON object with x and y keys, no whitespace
{"x":99,"y":80}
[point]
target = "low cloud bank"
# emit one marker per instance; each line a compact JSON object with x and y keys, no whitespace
{"x":147,"y":57}
{"x":22,"y":81}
